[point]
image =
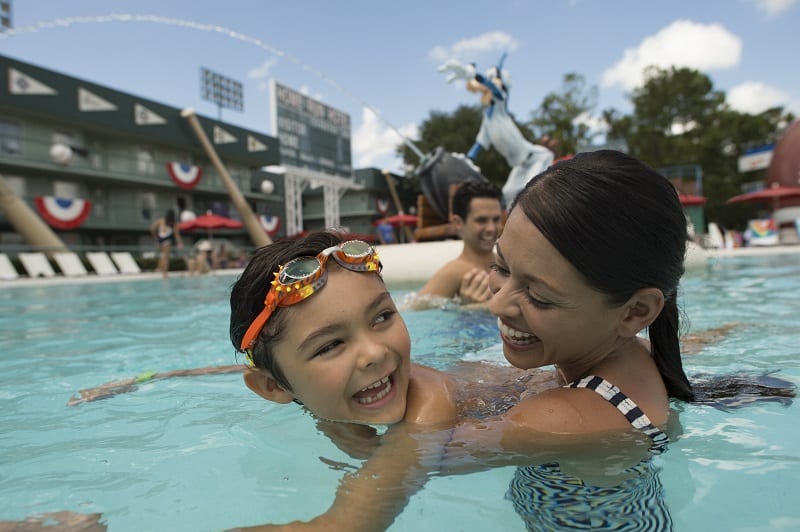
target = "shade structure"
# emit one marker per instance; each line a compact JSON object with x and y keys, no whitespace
{"x":210,"y":221}
{"x":399,"y":220}
{"x":771,"y":195}
{"x":688,"y":200}
{"x":784,"y":168}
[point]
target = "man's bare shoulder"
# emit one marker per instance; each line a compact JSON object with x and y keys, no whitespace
{"x":447,"y":279}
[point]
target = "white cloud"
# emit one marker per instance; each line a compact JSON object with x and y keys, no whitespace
{"x":772,"y":8}
{"x":755,"y":97}
{"x":261,"y":72}
{"x":596,"y":124}
{"x":467,"y":49}
{"x":682,"y":44}
{"x":374,"y":143}
{"x":679,"y":128}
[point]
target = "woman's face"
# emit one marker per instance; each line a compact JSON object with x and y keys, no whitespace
{"x":547,"y":313}
{"x":346,"y":351}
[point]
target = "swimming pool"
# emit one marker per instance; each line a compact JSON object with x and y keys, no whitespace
{"x":204,"y":453}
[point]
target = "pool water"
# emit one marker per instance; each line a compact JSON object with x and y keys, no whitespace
{"x":204,"y":453}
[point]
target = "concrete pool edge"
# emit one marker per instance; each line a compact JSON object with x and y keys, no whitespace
{"x":402,"y":263}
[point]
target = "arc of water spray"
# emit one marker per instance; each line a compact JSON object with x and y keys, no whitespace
{"x":156,"y":19}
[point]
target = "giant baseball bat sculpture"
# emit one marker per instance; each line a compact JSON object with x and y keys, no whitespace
{"x":257,"y":233}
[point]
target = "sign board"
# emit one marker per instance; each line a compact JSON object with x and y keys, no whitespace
{"x":311,"y":134}
{"x":757,"y":159}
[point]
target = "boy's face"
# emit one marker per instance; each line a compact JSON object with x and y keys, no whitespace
{"x":346,"y":351}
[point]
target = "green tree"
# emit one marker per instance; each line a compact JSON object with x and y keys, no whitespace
{"x":679,"y":120}
{"x":560,"y":115}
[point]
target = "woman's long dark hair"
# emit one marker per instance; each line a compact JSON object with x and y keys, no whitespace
{"x":621,"y":225}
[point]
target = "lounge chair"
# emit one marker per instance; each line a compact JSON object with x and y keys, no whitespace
{"x":7,"y":270}
{"x":125,"y":262}
{"x":101,"y":263}
{"x":36,"y":264}
{"x":70,"y":264}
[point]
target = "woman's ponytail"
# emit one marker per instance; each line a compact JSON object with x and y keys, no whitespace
{"x":666,"y":351}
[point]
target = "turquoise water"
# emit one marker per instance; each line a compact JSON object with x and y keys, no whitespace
{"x":204,"y":453}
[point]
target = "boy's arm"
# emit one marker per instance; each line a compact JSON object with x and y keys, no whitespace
{"x":110,"y":389}
{"x":371,"y":498}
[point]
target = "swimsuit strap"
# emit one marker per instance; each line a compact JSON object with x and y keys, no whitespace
{"x":629,"y":409}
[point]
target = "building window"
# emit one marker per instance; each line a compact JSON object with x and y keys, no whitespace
{"x":10,"y":137}
{"x":99,"y":204}
{"x":72,"y":142}
{"x":145,"y":162}
{"x":96,"y":157}
{"x":147,"y":205}
{"x":65,"y":190}
{"x":16,"y":184}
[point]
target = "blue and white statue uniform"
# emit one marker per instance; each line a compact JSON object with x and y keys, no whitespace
{"x":498,"y":129}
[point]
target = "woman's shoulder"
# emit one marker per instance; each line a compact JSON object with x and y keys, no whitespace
{"x":568,"y":411}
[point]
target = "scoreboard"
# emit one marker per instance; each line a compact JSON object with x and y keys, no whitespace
{"x":312,"y":135}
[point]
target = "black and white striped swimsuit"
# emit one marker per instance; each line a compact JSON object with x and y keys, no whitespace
{"x":547,"y":499}
{"x":629,"y":409}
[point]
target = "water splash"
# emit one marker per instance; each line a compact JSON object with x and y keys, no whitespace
{"x":210,"y":28}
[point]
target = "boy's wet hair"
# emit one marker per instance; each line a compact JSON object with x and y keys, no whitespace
{"x":249,"y":291}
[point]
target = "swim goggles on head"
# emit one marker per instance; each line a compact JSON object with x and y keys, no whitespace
{"x":299,"y":278}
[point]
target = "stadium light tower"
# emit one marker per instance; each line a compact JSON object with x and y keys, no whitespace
{"x":223,"y":91}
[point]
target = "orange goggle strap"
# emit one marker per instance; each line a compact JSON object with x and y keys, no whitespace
{"x":284,"y":295}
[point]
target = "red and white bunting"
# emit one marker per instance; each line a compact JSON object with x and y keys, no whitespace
{"x":184,"y":175}
{"x":61,"y":213}
{"x":271,"y":224}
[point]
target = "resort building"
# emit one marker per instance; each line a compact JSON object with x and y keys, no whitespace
{"x":99,"y":166}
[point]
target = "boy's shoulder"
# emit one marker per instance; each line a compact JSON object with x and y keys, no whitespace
{"x":431,"y":397}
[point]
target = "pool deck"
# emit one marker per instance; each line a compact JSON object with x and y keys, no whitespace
{"x":403,"y":263}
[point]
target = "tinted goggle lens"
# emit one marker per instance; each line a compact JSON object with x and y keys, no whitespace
{"x":356,"y":248}
{"x":298,"y":269}
{"x":301,"y":277}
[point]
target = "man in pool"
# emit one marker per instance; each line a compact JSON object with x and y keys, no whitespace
{"x":478,"y":215}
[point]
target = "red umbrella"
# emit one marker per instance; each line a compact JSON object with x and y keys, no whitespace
{"x":688,"y":200}
{"x":209,"y":221}
{"x":772,"y":194}
{"x":399,"y":220}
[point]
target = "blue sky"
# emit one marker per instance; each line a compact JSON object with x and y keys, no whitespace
{"x":365,"y":56}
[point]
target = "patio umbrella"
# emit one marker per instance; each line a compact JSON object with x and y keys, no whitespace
{"x":209,"y":221}
{"x":399,"y":220}
{"x":688,"y":200}
{"x":772,"y":195}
